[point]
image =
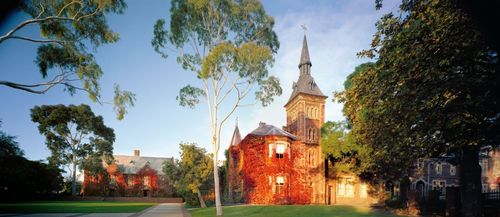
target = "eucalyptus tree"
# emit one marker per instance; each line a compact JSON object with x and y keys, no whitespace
{"x":74,"y":135}
{"x":229,"y":46}
{"x":68,"y":29}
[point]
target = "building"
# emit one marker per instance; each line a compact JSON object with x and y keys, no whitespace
{"x":285,"y":166}
{"x":439,"y":173}
{"x":136,"y":176}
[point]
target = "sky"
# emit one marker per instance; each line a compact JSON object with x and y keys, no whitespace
{"x":336,"y":31}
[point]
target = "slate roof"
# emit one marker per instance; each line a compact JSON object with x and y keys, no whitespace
{"x":305,"y":84}
{"x":270,"y":130}
{"x":304,"y":56}
{"x":132,"y":164}
{"x":236,"y":139}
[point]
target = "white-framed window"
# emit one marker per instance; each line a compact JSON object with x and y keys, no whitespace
{"x":363,"y":190}
{"x":280,"y":150}
{"x":146,"y":180}
{"x":439,"y":168}
{"x":453,"y":170}
{"x":345,"y":187}
{"x":280,"y":182}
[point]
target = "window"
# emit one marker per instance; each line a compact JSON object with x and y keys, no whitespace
{"x":280,"y":181}
{"x":420,"y":164}
{"x":453,"y":170}
{"x":146,"y":180}
{"x":280,"y":150}
{"x":485,"y":188}
{"x":270,"y":150}
{"x":439,"y":168}
{"x":113,"y":179}
{"x":311,"y":158}
{"x":484,"y":167}
{"x":363,"y":190}
{"x":439,"y":185}
{"x":345,"y":187}
{"x":130,"y":180}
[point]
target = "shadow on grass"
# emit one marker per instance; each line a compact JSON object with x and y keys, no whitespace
{"x":74,"y":207}
{"x":291,"y":211}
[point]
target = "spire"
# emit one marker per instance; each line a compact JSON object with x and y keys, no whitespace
{"x":304,"y":56}
{"x":236,"y":136}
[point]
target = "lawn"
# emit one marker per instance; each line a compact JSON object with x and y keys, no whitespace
{"x":291,"y":211}
{"x":74,"y":207}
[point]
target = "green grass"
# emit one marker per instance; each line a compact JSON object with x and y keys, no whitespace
{"x":74,"y":207}
{"x":291,"y":211}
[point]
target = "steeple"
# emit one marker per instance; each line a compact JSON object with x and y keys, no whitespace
{"x":304,"y":56}
{"x":236,"y":139}
{"x":305,"y":84}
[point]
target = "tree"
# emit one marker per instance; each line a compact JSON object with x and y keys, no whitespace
{"x":433,"y":91}
{"x":67,"y":28}
{"x":338,"y":147}
{"x":229,"y":46}
{"x":74,"y":135}
{"x":21,"y":178}
{"x":191,"y":172}
{"x":8,"y":145}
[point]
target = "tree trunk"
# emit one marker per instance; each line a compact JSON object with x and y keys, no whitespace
{"x":200,"y":198}
{"x":218,"y":205}
{"x":470,"y":182}
{"x":73,"y":178}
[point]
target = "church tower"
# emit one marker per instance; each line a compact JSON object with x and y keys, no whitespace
{"x":306,"y":107}
{"x":305,"y":113}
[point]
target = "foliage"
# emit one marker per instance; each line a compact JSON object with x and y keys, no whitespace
{"x":8,"y":145}
{"x":339,"y":148}
{"x":67,"y":185}
{"x":21,"y":178}
{"x":75,"y":207}
{"x":67,"y":29}
{"x":229,"y":45}
{"x":433,"y":91}
{"x":253,"y":173}
{"x":193,"y":170}
{"x":76,"y":136}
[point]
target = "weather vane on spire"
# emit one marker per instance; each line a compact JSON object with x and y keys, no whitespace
{"x":303,"y":26}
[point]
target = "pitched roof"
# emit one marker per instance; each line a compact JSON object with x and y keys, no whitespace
{"x":132,"y":164}
{"x":236,"y":139}
{"x":305,"y":84}
{"x":270,"y":130}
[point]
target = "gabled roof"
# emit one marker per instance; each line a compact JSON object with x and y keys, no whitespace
{"x":270,"y":130}
{"x":132,"y":164}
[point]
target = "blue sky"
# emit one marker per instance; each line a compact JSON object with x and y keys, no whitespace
{"x":157,"y":124}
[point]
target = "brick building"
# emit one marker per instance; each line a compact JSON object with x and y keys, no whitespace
{"x":286,"y":166}
{"x":130,"y":175}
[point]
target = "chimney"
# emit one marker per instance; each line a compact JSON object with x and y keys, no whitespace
{"x":262,"y":124}
{"x":137,"y":152}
